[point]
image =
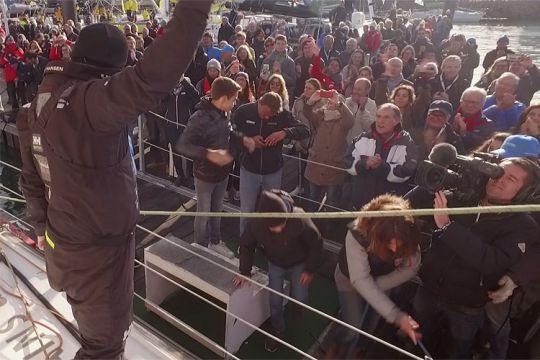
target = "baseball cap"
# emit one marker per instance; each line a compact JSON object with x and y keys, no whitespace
{"x":519,"y":146}
{"x":441,"y":105}
{"x":228,"y":49}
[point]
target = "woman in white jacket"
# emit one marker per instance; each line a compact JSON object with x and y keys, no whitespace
{"x":380,"y":254}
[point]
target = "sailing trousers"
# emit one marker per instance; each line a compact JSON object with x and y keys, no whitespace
{"x":98,"y":281}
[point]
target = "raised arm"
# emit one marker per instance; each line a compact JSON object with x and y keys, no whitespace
{"x":137,"y":89}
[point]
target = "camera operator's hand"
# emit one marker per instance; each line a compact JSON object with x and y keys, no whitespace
{"x":441,"y":220}
{"x":409,"y":326}
{"x":507,"y":287}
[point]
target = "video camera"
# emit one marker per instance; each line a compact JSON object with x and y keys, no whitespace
{"x":465,"y":176}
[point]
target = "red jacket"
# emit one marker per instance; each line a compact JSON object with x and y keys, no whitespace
{"x":10,"y":70}
{"x":326,"y":81}
{"x":373,"y":41}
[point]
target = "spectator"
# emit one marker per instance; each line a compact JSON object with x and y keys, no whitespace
{"x":247,"y":63}
{"x":327,"y":30}
{"x":303,"y":65}
{"x":227,"y":57}
{"x":398,"y":40}
{"x":499,"y":67}
{"x":327,"y":51}
{"x":226,"y":31}
{"x":212,"y":159}
{"x":207,"y":44}
{"x":268,"y":126}
{"x":197,"y":68}
{"x":412,"y":107}
{"x":379,"y":67}
{"x":449,"y":84}
{"x":338,"y":14}
{"x":330,"y":77}
{"x":258,"y":43}
{"x":70,"y":34}
{"x":134,"y":55}
{"x":408,"y":56}
{"x":350,"y":46}
{"x":150,"y":28}
{"x":276,"y":84}
{"x":471,"y":61}
{"x":392,"y":78}
{"x":469,"y":122}
{"x":422,"y":42}
{"x":502,"y":107}
{"x":387,"y":32}
{"x":351,"y":71}
{"x":295,"y":257}
{"x":245,"y":95}
{"x":179,"y":105}
{"x":500,"y":51}
{"x":373,"y":39}
{"x":383,"y":159}
{"x":379,"y":255}
{"x":147,"y":39}
{"x":332,"y":122}
{"x":204,"y":87}
{"x":362,"y":107}
{"x":10,"y":59}
{"x":493,"y":143}
{"x":302,"y":146}
{"x":529,"y":78}
{"x":529,"y":123}
{"x":242,"y":40}
{"x":436,"y":130}
{"x":280,"y":63}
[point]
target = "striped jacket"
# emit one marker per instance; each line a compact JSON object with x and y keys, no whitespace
{"x":399,"y":155}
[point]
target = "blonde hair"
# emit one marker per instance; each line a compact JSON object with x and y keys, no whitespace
{"x":283,"y":93}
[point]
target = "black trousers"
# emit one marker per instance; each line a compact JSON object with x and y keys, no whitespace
{"x":12,"y":94}
{"x":98,"y":281}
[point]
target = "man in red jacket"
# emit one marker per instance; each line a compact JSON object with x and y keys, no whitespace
{"x":10,"y":59}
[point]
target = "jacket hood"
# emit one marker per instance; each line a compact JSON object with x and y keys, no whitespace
{"x":275,"y":201}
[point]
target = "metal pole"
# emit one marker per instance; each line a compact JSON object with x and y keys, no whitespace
{"x":69,"y":11}
{"x":141,"y":144}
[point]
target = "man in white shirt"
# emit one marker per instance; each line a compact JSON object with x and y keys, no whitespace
{"x":362,"y":107}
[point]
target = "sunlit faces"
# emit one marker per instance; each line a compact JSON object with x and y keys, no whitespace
{"x":131,"y":44}
{"x":309,"y":90}
{"x":357,"y":58}
{"x":386,"y":121}
{"x":450,"y":68}
{"x":241,"y":81}
{"x":471,"y":103}
{"x":392,"y":51}
{"x":531,"y":126}
{"x":402,"y":98}
{"x":213,"y":73}
{"x":505,"y":189}
{"x":280,"y":46}
{"x":333,"y":66}
{"x":275,"y":86}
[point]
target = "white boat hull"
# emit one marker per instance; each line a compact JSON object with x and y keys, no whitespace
{"x":460,"y":16}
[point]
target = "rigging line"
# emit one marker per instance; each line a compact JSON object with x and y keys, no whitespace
{"x":312,"y":309}
{"x":26,"y":309}
{"x":12,"y":199}
{"x":245,"y":322}
{"x":183,"y":325}
{"x":286,"y":155}
{"x":11,"y":191}
{"x":238,"y":177}
{"x":165,"y":119}
{"x":363,"y":214}
{"x":11,"y":166}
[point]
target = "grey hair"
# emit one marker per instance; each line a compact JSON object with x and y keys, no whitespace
{"x":512,"y":76}
{"x":475,"y":90}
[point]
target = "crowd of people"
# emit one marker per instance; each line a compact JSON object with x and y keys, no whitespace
{"x":362,"y":109}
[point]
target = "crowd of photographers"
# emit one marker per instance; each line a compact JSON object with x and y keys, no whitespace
{"x":376,"y":117}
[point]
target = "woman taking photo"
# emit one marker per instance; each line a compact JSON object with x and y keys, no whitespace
{"x":379,"y":255}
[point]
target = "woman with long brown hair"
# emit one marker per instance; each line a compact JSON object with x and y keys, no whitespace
{"x":380,"y":254}
{"x":276,"y":83}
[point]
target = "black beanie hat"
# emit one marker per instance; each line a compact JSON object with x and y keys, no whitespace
{"x":102,"y":45}
{"x":274,"y":201}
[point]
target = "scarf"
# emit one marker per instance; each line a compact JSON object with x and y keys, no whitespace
{"x":207,"y":85}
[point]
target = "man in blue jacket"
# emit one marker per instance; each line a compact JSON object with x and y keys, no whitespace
{"x":502,"y":107}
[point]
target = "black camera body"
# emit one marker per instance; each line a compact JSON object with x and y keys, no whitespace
{"x":466,"y":177}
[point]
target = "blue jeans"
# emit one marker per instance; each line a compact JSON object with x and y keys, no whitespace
{"x":498,"y":328}
{"x":464,"y":322}
{"x":276,"y":279}
{"x":251,"y":185}
{"x":209,"y":198}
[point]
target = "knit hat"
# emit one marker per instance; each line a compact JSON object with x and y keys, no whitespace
{"x":101,"y":45}
{"x":213,"y":64}
{"x":242,"y":74}
{"x":504,"y":39}
{"x":273,"y":201}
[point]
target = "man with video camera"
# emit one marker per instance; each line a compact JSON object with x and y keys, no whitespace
{"x":468,"y":254}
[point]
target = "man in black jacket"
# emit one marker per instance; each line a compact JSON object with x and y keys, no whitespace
{"x":78,"y":175}
{"x":470,"y":253}
{"x":293,"y":248}
{"x":267,"y":125}
{"x":206,"y":140}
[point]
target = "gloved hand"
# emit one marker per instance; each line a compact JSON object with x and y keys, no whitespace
{"x":506,"y":289}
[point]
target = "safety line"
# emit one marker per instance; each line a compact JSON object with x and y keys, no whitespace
{"x":256,"y":328}
{"x":355,"y":214}
{"x":11,"y":191}
{"x":312,"y":309}
{"x":12,"y":199}
{"x":11,"y":166}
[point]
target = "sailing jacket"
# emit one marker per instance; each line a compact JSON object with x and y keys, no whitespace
{"x":78,"y":175}
{"x":269,"y":159}
{"x":299,"y":242}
